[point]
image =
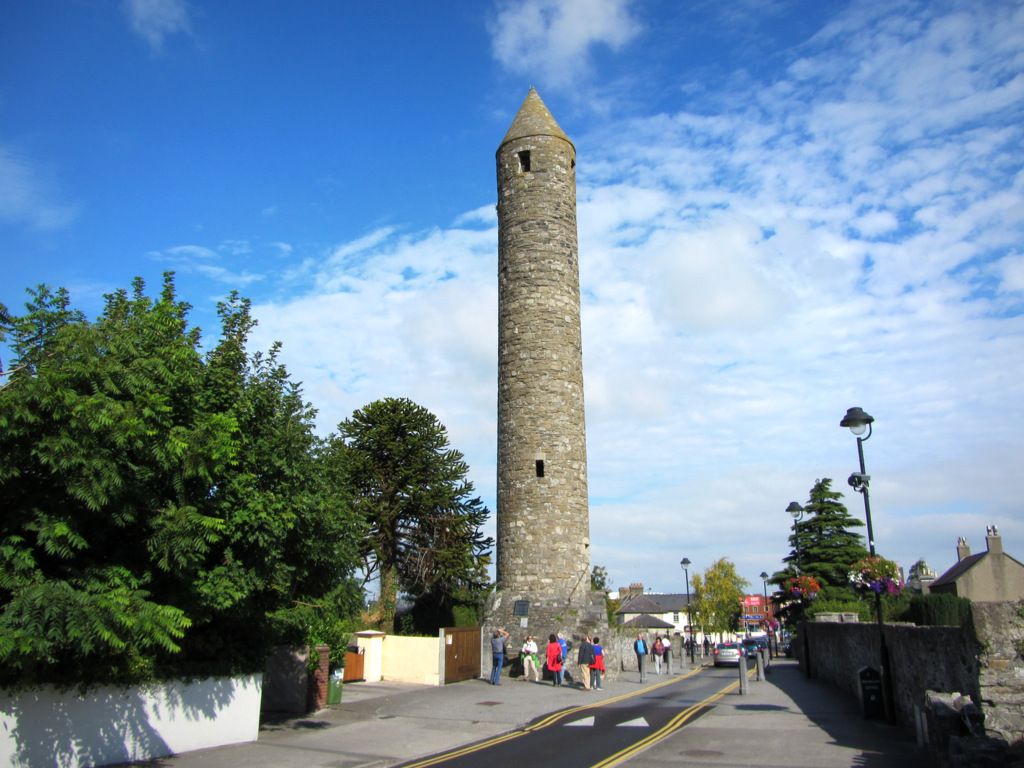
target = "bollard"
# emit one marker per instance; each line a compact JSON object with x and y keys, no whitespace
{"x":760,"y":665}
{"x":744,"y":682}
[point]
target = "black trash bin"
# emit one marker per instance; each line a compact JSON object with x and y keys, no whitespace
{"x":871,"y":693}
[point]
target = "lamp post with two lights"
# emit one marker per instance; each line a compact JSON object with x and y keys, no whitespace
{"x":859,"y":422}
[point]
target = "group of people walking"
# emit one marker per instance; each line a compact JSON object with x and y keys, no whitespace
{"x":660,"y":650}
{"x":589,"y":659}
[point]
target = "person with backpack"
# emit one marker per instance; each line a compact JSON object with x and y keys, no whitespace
{"x":598,"y":666}
{"x":584,"y":658}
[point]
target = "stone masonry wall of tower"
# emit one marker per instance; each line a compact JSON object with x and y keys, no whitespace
{"x":543,"y":516}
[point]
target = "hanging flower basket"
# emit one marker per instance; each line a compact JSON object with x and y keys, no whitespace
{"x":876,"y":575}
{"x":802,"y":587}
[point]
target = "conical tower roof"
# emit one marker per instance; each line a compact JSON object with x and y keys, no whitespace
{"x":533,"y":119}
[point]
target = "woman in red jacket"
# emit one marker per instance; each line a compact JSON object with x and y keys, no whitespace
{"x":554,"y":653}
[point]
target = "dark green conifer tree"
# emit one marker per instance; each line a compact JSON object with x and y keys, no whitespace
{"x":424,"y":522}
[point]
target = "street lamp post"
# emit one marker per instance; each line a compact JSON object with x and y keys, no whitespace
{"x":797,"y":512}
{"x":767,"y":623}
{"x":685,"y":564}
{"x":859,"y":422}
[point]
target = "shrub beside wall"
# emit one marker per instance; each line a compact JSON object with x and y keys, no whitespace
{"x":938,"y":610}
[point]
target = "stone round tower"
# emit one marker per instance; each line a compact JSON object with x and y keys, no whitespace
{"x":543,"y":546}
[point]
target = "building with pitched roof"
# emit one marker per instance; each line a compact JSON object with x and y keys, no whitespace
{"x":669,"y":609}
{"x":989,"y":576}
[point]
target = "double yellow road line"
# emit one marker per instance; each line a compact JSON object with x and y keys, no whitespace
{"x":666,"y":730}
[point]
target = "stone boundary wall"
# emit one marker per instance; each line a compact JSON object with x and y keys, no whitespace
{"x":984,"y":662}
{"x":1000,"y":631}
{"x":920,"y":659}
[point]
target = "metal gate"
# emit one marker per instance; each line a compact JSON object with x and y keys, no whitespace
{"x":461,"y":654}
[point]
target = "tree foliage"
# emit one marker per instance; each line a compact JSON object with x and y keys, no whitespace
{"x":165,"y":509}
{"x":718,"y":597}
{"x":824,"y":545}
{"x":423,"y":522}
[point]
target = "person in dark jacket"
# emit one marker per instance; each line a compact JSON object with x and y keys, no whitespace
{"x":584,"y":658}
{"x":497,"y":654}
{"x":641,"y":649}
{"x":598,"y":666}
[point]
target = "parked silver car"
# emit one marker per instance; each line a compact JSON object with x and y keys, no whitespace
{"x":727,"y":653}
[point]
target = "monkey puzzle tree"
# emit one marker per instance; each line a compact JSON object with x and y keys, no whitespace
{"x":411,"y":489}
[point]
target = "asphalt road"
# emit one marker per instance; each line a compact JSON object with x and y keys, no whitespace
{"x":785,"y":721}
{"x":600,"y":734}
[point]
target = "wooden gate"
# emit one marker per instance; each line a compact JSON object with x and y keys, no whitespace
{"x":461,"y":654}
{"x":353,"y":666}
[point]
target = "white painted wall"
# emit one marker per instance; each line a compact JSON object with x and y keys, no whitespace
{"x":105,"y":725}
{"x":411,"y":660}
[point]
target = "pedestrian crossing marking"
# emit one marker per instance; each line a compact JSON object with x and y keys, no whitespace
{"x":587,"y":721}
{"x":637,"y":723}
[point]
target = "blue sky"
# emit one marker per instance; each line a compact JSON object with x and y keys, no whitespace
{"x":785,"y":209}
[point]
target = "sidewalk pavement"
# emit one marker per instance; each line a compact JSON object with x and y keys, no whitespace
{"x":785,"y":720}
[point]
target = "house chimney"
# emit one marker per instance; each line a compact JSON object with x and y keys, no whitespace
{"x":962,"y":550}
{"x":993,"y":540}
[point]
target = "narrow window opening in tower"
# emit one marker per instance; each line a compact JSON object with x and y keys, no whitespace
{"x":540,"y":467}
{"x":524,"y":161}
{"x":572,"y":163}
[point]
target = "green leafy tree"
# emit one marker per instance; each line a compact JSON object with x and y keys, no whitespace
{"x":163,"y":512}
{"x":717,"y":597}
{"x":698,"y":608}
{"x":599,"y":583}
{"x":423,"y":522}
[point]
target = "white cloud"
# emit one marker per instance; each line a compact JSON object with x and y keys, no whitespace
{"x":553,"y":38}
{"x":208,"y":261}
{"x":28,"y":194}
{"x":404,"y":316}
{"x":748,"y":272}
{"x":156,"y":20}
{"x":1012,"y":268}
